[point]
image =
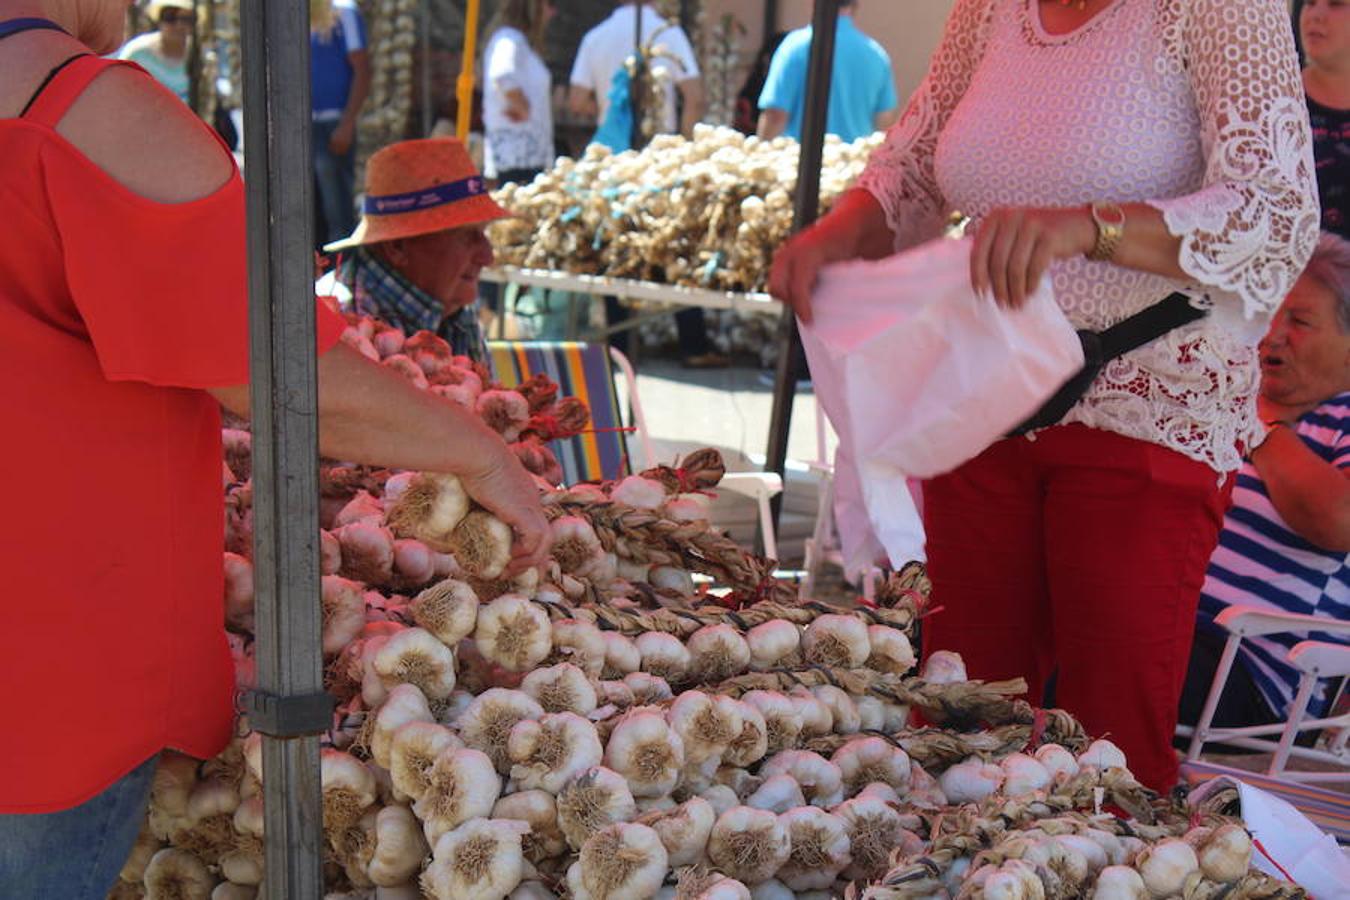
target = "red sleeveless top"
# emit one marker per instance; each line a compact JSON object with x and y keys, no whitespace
{"x":115,"y":312}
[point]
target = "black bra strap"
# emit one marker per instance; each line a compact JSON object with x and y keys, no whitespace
{"x":48,"y":80}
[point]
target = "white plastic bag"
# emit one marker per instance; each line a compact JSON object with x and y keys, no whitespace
{"x":917,"y":373}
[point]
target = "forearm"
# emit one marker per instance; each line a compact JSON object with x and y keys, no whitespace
{"x":360,"y":89}
{"x":856,"y":227}
{"x":1147,"y":245}
{"x":1310,"y":494}
{"x":772,"y":123}
{"x":371,"y":414}
{"x":692,"y":93}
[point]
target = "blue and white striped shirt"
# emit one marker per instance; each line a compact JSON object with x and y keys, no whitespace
{"x":1261,"y":562}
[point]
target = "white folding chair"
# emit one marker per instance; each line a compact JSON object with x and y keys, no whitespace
{"x":758,"y":486}
{"x":1315,"y":660}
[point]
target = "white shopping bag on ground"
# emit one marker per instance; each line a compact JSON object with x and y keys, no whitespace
{"x":897,"y":534}
{"x":1287,"y":844}
{"x":919,"y":372}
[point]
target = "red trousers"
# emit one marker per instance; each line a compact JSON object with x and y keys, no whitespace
{"x":1080,"y":552}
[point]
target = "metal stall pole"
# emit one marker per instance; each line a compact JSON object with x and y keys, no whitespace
{"x":824,"y":24}
{"x":289,"y":707}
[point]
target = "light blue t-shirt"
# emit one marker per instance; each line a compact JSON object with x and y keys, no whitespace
{"x":862,"y":85}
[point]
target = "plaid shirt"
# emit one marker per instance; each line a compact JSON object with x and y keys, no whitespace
{"x":379,"y":291}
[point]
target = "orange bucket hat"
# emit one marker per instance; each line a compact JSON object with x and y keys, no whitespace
{"x":420,"y":187}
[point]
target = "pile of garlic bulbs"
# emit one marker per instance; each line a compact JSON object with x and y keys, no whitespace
{"x":703,"y":212}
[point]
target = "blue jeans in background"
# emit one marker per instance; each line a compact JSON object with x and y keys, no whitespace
{"x":74,"y":854}
{"x":334,"y":178}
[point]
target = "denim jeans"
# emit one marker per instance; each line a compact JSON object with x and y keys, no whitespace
{"x":74,"y":854}
{"x":333,"y":184}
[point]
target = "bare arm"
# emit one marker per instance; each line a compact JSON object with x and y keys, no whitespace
{"x":882,"y":121}
{"x":1309,"y":493}
{"x":345,"y":134}
{"x":772,"y":123}
{"x":691,"y":90}
{"x":370,"y":414}
{"x":581,"y":101}
{"x":517,"y":105}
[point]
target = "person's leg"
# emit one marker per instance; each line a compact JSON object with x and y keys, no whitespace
{"x":985,"y":559}
{"x":616,"y":314}
{"x":74,"y":854}
{"x":695,"y":349}
{"x":333,"y":180}
{"x":1129,"y":529}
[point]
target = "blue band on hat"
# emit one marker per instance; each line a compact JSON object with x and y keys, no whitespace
{"x":429,"y":198}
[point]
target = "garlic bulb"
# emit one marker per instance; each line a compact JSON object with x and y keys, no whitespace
{"x":344,"y":613}
{"x":429,"y":508}
{"x":413,"y":748}
{"x":479,"y":860}
{"x":864,"y":760}
{"x":646,"y":751}
{"x":1102,"y":754}
{"x":1057,"y":761}
{"x":399,"y":847}
{"x":505,"y":412}
{"x":532,"y":890}
{"x":405,"y":703}
{"x":579,"y":643}
{"x":173,"y":873}
{"x":1120,"y":883}
{"x":820,"y":848}
{"x":1023,"y":774}
{"x":414,"y":656}
{"x":663,"y":655}
{"x":782,"y":719}
{"x":836,"y":640}
{"x":890,"y":650}
{"x":871,"y":713}
{"x":723,"y":889}
{"x":717,"y":652}
{"x":487,"y":722}
{"x":750,"y":845}
{"x":548,"y":753}
{"x":514,"y":633}
{"x":816,"y":717}
{"x":706,"y":727}
{"x":844,"y":717}
{"x":970,"y":781}
{"x":750,"y":745}
{"x":944,"y":667}
{"x":639,"y":492}
{"x":596,"y":799}
{"x":447,"y":609}
{"x":462,"y":784}
{"x":1166,"y":865}
{"x":348,"y":788}
{"x":874,"y":830}
{"x":647,"y":688}
{"x":621,"y":655}
{"x":561,"y":688}
{"x":773,"y":889}
{"x":882,"y":791}
{"x":773,"y":643}
{"x":671,"y":578}
{"x":1227,"y":855}
{"x":619,"y":862}
{"x":481,"y":544}
{"x":720,"y":797}
{"x":537,"y":809}
{"x":615,"y":695}
{"x":821,"y":780}
{"x":576,"y":548}
{"x":683,"y":830}
{"x":1085,"y":847}
{"x":777,"y":794}
{"x":1014,"y":880}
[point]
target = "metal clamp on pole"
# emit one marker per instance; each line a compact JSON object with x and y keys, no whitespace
{"x":287,"y":717}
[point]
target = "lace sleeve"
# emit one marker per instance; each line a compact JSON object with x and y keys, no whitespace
{"x":900,"y":173}
{"x":1247,"y":234}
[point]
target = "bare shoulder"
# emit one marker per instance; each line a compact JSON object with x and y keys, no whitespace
{"x":145,"y":138}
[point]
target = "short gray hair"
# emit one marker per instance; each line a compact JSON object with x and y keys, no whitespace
{"x":1330,"y":265}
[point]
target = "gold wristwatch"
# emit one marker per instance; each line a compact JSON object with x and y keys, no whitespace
{"x":1110,"y":221}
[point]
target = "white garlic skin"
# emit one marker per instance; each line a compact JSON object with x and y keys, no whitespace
{"x":561,"y":688}
{"x":816,"y":716}
{"x":1227,"y":855}
{"x":684,"y":830}
{"x":829,"y":834}
{"x":399,"y":848}
{"x":664,"y":655}
{"x":777,"y":794}
{"x":836,"y":640}
{"x":771,"y":643}
{"x":434,"y":672}
{"x":1120,"y":883}
{"x":621,"y":655}
{"x":890,"y":648}
{"x":446,"y":879}
{"x":782,"y":717}
{"x":773,"y":889}
{"x":820,"y":780}
{"x":580,"y":643}
{"x":529,"y":738}
{"x":970,"y":781}
{"x":717,"y":652}
{"x":866,"y":759}
{"x":420,"y":740}
{"x":1057,"y":761}
{"x":647,"y":751}
{"x":944,"y":667}
{"x":514,"y":633}
{"x":639,"y":492}
{"x":724,"y":889}
{"x":648,"y":688}
{"x":599,"y":784}
{"x":1165,"y":866}
{"x":720,"y":797}
{"x":1103,"y":755}
{"x":706,"y":728}
{"x":843,"y":711}
{"x":1023,"y":774}
{"x":462,"y":784}
{"x":732,"y":831}
{"x":539,"y":810}
{"x":593,"y":876}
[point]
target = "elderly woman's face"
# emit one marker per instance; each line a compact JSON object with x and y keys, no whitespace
{"x":1305,"y":357}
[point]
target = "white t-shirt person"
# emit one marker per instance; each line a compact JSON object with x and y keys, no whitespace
{"x":510,"y":63}
{"x":607,"y":45}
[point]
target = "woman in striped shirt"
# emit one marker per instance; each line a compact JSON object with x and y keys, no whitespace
{"x":1285,"y":543}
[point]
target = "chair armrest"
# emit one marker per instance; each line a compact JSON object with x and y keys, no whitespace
{"x":752,"y":484}
{"x":1251,"y":620}
{"x":1321,"y":658}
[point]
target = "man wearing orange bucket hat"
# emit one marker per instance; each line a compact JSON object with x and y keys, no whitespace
{"x":414,"y":258}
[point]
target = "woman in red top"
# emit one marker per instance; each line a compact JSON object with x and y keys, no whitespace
{"x":123,"y":326}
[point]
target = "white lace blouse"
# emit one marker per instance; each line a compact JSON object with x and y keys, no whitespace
{"x":1193,"y":106}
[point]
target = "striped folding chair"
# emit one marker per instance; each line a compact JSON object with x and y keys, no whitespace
{"x":583,"y":371}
